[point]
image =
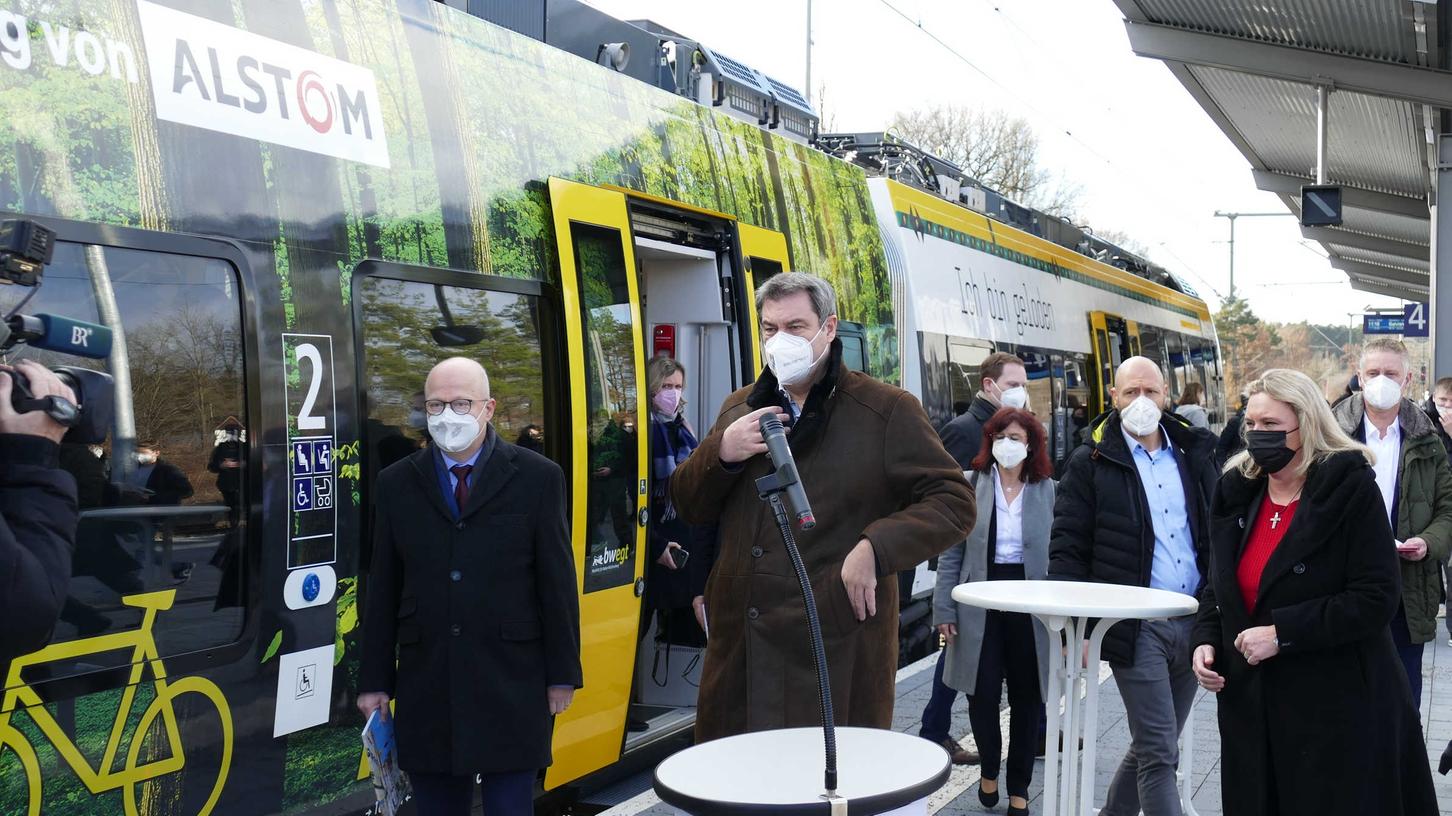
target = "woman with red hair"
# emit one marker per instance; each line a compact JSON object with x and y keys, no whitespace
{"x":1012,"y":479}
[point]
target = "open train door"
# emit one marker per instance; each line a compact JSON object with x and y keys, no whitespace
{"x":605,"y":359}
{"x":763,"y":254}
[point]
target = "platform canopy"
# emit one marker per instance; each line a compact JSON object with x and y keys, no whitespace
{"x":1255,"y":67}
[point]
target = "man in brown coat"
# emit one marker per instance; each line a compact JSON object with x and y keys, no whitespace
{"x":886,"y":495}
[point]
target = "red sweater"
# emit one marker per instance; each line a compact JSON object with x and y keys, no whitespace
{"x":1265,"y":535}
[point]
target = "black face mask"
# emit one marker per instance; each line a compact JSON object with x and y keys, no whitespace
{"x":1268,"y":449}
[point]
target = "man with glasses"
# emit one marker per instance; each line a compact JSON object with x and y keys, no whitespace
{"x":473,"y":584}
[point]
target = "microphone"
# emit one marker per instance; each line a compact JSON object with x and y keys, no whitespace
{"x":60,"y":334}
{"x":786,"y":469}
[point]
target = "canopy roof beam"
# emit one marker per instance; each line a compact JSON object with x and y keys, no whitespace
{"x":1370,"y":243}
{"x":1345,"y":73}
{"x":1362,"y":269}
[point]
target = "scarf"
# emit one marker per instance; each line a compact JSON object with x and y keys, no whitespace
{"x":671,"y":442}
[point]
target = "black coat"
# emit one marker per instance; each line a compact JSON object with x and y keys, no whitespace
{"x":1430,"y":408}
{"x":168,"y":485}
{"x":963,"y":436}
{"x":1331,"y":713}
{"x":1102,"y":530}
{"x":483,"y":612}
{"x":37,"y":534}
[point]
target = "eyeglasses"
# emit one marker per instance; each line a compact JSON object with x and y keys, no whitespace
{"x":460,"y":406}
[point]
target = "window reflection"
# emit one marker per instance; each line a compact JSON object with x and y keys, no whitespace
{"x":161,"y":500}
{"x":610,"y":399}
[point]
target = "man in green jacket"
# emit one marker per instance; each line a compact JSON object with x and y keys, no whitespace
{"x":1416,"y":487}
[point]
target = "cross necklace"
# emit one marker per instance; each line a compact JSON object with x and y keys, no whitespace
{"x":1276,"y":519}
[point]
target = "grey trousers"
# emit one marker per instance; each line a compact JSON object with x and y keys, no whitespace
{"x":1158,"y":690}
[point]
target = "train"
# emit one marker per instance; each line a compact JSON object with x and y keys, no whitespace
{"x":287,"y":210}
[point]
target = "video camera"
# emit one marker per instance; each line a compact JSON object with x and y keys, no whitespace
{"x":25,"y":249}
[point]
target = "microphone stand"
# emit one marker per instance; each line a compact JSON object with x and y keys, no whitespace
{"x":770,"y":489}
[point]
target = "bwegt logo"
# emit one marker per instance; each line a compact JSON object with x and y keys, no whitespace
{"x":263,"y":88}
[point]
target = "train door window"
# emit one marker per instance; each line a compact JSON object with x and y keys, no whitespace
{"x":854,"y":345}
{"x":610,"y":404}
{"x":1175,"y":358}
{"x":408,"y":326}
{"x":163,"y":529}
{"x":1106,"y":365}
{"x":964,"y":359}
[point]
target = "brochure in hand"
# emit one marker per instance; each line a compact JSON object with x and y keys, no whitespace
{"x":390,"y":786}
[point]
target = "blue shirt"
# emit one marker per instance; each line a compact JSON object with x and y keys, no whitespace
{"x":1174,"y":566}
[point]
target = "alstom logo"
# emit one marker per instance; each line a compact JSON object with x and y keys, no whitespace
{"x":217,"y":77}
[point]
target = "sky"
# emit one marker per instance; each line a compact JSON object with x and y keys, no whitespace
{"x":1150,"y":162}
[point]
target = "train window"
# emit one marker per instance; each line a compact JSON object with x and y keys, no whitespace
{"x":854,"y":345}
{"x":409,"y":326}
{"x":1152,"y":345}
{"x":610,"y":402}
{"x":762,"y":270}
{"x":964,"y":358}
{"x":1040,"y":387}
{"x":162,"y":530}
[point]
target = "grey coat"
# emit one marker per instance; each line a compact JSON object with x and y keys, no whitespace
{"x":968,"y":561}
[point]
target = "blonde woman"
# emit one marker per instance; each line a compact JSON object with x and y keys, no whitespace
{"x":1293,"y":630}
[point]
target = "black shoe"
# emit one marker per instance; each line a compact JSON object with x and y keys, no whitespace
{"x":988,"y":799}
{"x":1016,"y":811}
{"x":181,"y":571}
{"x":635,"y":726}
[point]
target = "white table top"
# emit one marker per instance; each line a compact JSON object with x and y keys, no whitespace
{"x":781,"y":771}
{"x":1075,"y":599}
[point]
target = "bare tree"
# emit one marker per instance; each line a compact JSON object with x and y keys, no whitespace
{"x":997,"y":149}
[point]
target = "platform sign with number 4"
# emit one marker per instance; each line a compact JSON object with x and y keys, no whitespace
{"x":312,"y":427}
{"x":1418,"y":318}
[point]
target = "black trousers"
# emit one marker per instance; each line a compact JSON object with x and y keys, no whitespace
{"x":1007,"y":653}
{"x":503,"y":794}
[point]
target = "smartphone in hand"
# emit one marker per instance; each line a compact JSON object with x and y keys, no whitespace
{"x":680,"y":556}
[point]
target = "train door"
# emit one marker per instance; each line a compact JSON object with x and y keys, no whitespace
{"x":604,"y":357}
{"x":763,"y":254}
{"x":698,"y":309}
{"x":1115,"y":339}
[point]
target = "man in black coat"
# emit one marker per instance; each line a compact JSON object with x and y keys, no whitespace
{"x":37,"y":517}
{"x":472,"y":585}
{"x":1004,"y":380}
{"x":1133,"y":509}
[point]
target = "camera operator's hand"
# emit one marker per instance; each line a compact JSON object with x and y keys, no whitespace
{"x":43,"y":383}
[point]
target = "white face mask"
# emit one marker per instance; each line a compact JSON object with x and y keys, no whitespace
{"x":1382,"y":392}
{"x":1009,"y":452}
{"x":1141,"y":416}
{"x":1015,"y":397}
{"x":790,"y":357}
{"x":453,"y":432}
{"x":1444,"y":411}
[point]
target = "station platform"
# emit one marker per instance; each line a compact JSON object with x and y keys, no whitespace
{"x":960,"y":795}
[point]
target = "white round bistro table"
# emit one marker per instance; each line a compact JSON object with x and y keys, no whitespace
{"x":1067,"y":608}
{"x":780,"y":772}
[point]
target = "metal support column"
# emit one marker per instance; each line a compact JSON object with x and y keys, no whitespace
{"x":1439,"y":296}
{"x":1323,"y":103}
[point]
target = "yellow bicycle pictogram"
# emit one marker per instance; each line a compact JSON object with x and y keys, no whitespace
{"x":20,"y":696}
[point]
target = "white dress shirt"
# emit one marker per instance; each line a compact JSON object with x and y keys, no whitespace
{"x":1008,"y":548}
{"x":1388,"y":451}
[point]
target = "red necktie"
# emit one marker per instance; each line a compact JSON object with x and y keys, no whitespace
{"x":461,"y":488}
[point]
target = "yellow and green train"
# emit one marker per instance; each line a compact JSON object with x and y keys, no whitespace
{"x":288,"y":210}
